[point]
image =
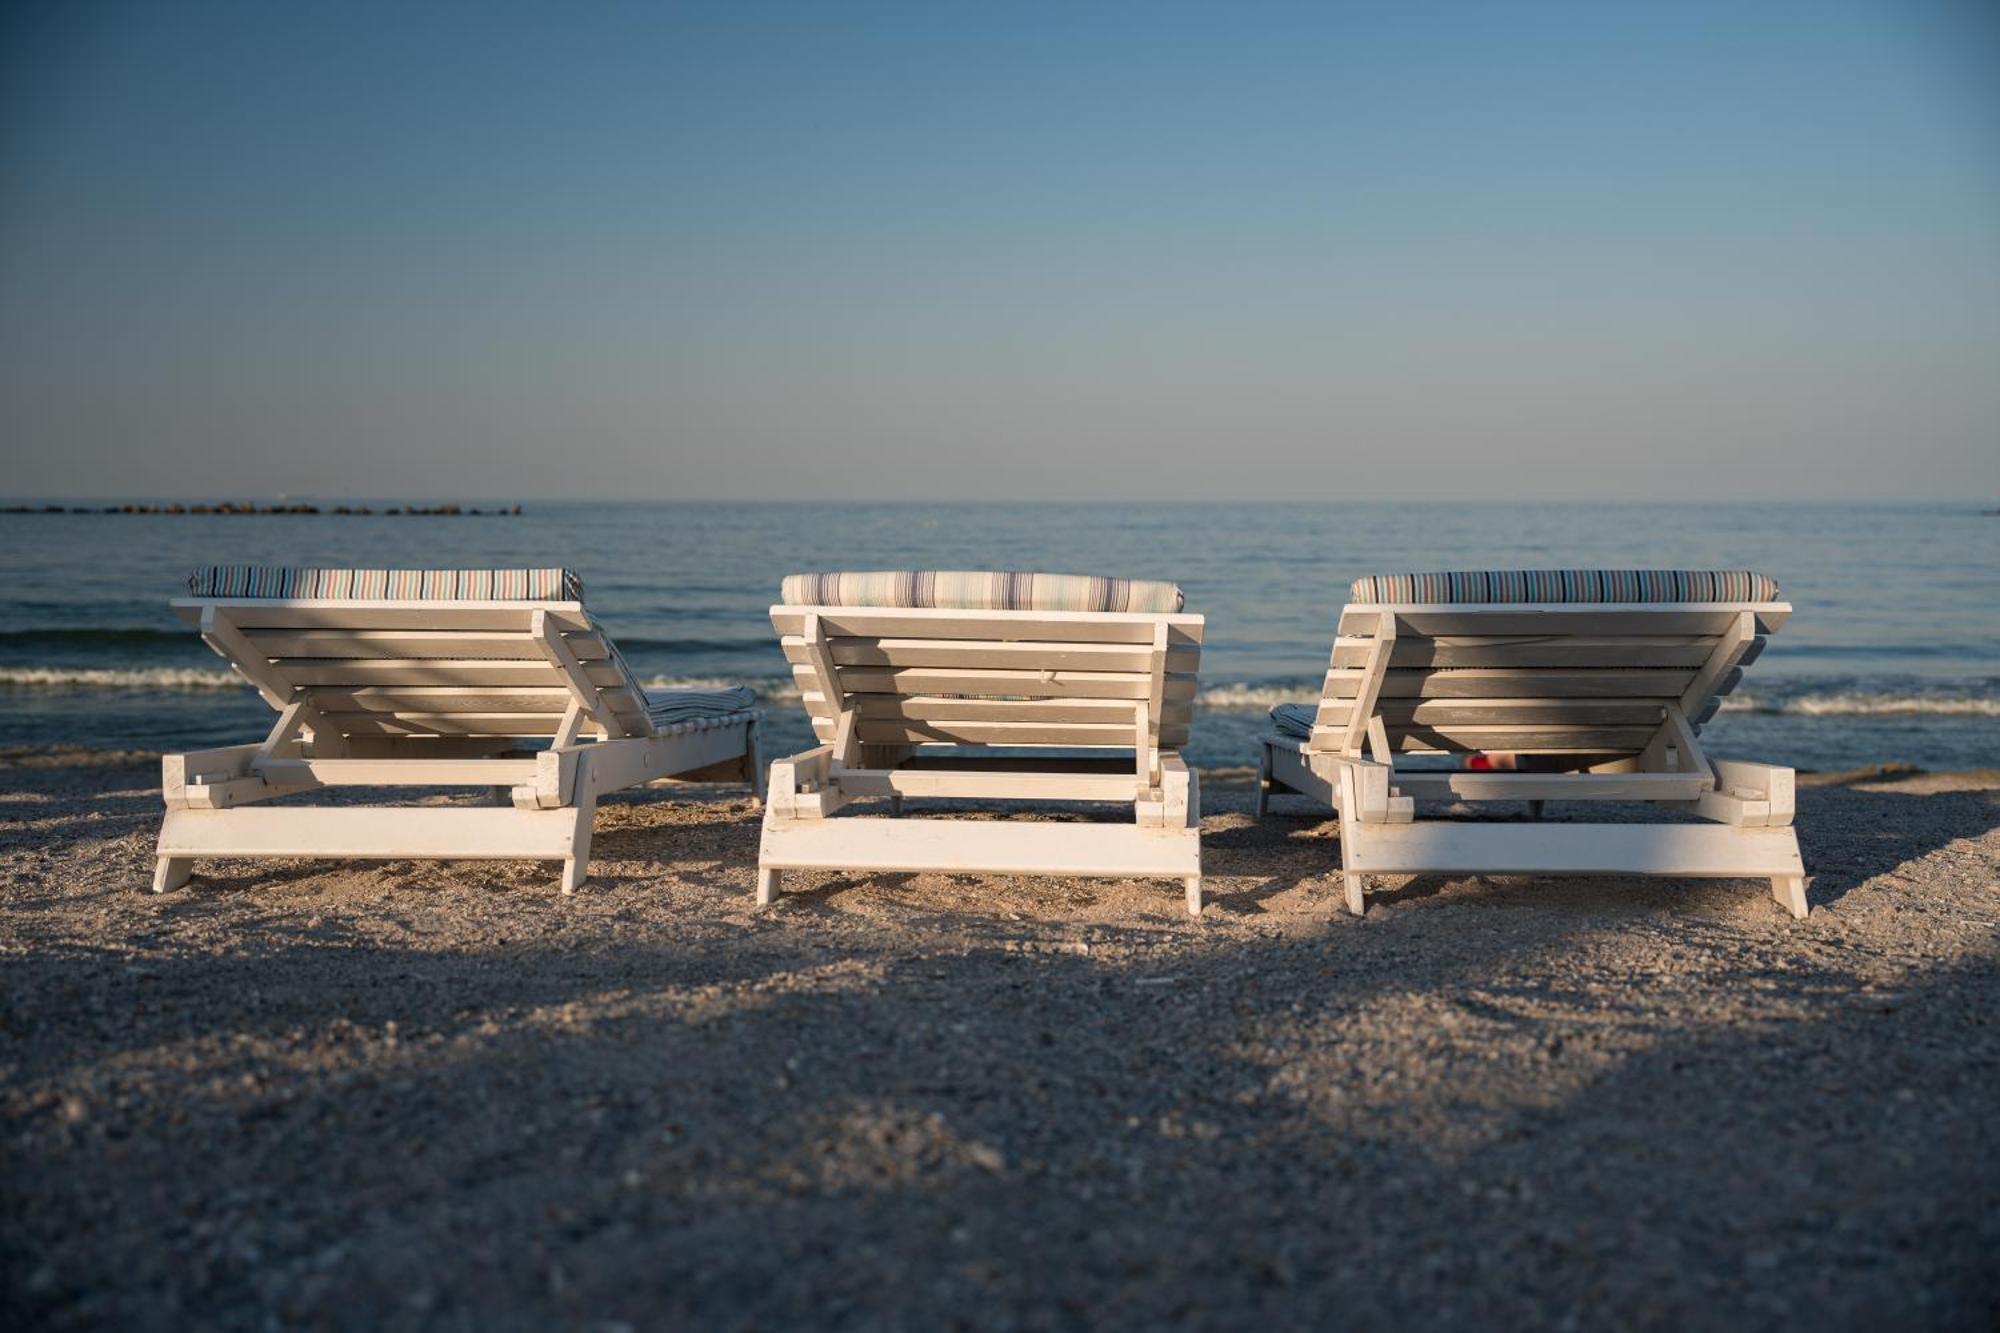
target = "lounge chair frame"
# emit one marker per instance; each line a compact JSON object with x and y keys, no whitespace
{"x":427,"y":693}
{"x":1618,"y":690}
{"x":886,"y":686}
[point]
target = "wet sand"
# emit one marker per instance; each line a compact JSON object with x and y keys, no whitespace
{"x":402,"y":1094}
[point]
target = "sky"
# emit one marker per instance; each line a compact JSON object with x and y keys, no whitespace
{"x":962,"y":251}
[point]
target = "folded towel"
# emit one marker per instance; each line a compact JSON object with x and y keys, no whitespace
{"x":1295,"y":719}
{"x":686,"y":705}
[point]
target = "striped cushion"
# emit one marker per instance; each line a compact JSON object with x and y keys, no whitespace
{"x":976,"y":590}
{"x":450,"y":585}
{"x":1295,"y":719}
{"x":1566,"y":585}
{"x":666,"y":707}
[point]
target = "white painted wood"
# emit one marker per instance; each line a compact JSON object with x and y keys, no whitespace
{"x":1054,"y":655}
{"x":878,"y":683}
{"x":1632,"y":682}
{"x":171,"y":872}
{"x":399,"y":772}
{"x":1310,"y":774}
{"x":371,"y":832}
{"x":879,"y":622}
{"x":417,"y":643}
{"x":980,"y":846}
{"x":1487,"y":786}
{"x":404,"y":694}
{"x":1676,"y":850}
{"x":1790,"y":893}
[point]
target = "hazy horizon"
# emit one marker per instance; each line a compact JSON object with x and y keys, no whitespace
{"x":470,"y":252}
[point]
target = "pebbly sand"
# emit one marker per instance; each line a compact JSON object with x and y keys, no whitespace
{"x":402,"y":1094}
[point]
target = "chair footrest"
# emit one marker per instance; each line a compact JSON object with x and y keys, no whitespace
{"x":1690,"y":850}
{"x":373,"y":832}
{"x":987,"y":846}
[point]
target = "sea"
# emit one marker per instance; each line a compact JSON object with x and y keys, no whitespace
{"x":1892,"y":654}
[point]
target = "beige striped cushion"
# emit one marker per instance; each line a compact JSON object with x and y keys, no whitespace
{"x":980,"y":590}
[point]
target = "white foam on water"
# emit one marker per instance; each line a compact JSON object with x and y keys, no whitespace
{"x":119,"y":678}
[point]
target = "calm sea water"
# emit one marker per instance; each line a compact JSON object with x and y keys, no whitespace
{"x":1893,"y":652}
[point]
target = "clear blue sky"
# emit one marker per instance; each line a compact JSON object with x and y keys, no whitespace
{"x":956,"y":250}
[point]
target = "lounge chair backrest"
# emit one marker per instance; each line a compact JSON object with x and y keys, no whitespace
{"x":994,"y":678}
{"x":1574,"y":662}
{"x":980,"y":676}
{"x":424,"y":652}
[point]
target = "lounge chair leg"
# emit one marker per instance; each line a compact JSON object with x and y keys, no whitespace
{"x":767,"y":884}
{"x":1790,"y":891}
{"x":753,"y":768}
{"x":1357,"y":888}
{"x":895,"y":803}
{"x":1193,"y":883}
{"x":170,"y":872}
{"x":1262,"y":799}
{"x":576,"y":870}
{"x":1535,"y":809}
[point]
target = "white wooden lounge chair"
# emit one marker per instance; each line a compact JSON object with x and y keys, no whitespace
{"x":1599,"y":680}
{"x":997,"y":668}
{"x":428,"y":678}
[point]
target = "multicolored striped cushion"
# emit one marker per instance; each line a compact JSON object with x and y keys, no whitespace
{"x":1565,"y":585}
{"x":978,"y":590}
{"x":684,"y":704}
{"x":449,"y":585}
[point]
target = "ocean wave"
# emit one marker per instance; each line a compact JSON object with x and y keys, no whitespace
{"x":1860,"y":703}
{"x":96,"y":635}
{"x":1903,"y":700}
{"x":118,"y":678}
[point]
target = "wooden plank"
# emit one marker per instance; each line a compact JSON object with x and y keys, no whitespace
{"x":1502,"y":683}
{"x":1027,"y":655}
{"x":1729,"y":650}
{"x":1311,"y":775}
{"x":1521,"y":739}
{"x":1368,"y":683}
{"x":978,"y":846}
{"x":928,"y":707}
{"x":377,"y":643}
{"x":354,"y":672}
{"x":875,"y":731}
{"x":583,"y":688}
{"x":1547,"y":650}
{"x":459,"y":699}
{"x":925,"y":707}
{"x":1061,"y":626}
{"x":522,"y":725}
{"x":277,"y":613}
{"x":1025,"y":684}
{"x":1607,"y":619}
{"x":1681,"y":850}
{"x":1552,"y":786}
{"x":371,"y":832}
{"x":1052,"y":784}
{"x":401,"y":772}
{"x":1537,"y":712}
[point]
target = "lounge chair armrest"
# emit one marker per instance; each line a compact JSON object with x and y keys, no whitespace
{"x":803,"y":785}
{"x":1374,"y":798}
{"x":1747,"y":793}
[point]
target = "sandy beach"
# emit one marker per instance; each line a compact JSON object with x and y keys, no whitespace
{"x":386,"y":1095}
